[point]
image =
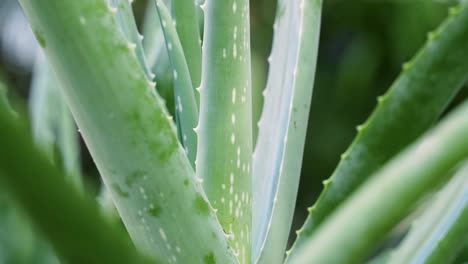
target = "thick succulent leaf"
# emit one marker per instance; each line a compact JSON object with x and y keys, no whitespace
{"x":127,"y":23}
{"x":462,"y":257}
{"x":71,"y":220}
{"x":186,"y":21}
{"x":225,"y":126}
{"x":154,"y":44}
{"x":360,"y":222}
{"x":127,"y":130}
{"x":157,"y":57}
{"x":19,"y":241}
{"x":402,"y":114}
{"x":438,"y":234}
{"x":52,"y":123}
{"x":282,"y":128}
{"x":185,"y":102}
{"x":382,"y":258}
{"x":4,"y":95}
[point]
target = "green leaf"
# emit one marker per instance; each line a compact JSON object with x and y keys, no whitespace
{"x":360,"y":222}
{"x":126,"y":128}
{"x":278,"y":154}
{"x":438,"y":234}
{"x":185,"y":102}
{"x":4,"y":94}
{"x":127,"y":23}
{"x":382,"y":258}
{"x":19,"y":241}
{"x":154,"y":45}
{"x":52,"y":124}
{"x":225,"y":125}
{"x":402,"y":114}
{"x":186,"y":21}
{"x":72,"y":221}
{"x":462,"y":257}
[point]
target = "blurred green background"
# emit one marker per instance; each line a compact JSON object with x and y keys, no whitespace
{"x":362,"y":47}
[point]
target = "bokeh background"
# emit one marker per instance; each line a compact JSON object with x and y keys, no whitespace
{"x":363,"y":44}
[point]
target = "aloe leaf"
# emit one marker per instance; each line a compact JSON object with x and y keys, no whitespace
{"x":186,"y":21}
{"x":77,"y":230}
{"x":52,"y":124}
{"x":382,"y":258}
{"x":360,"y":222}
{"x":127,"y":130}
{"x":462,"y":257}
{"x":126,"y":20}
{"x":18,"y":241}
{"x":185,"y":102}
{"x":401,"y":115}
{"x":154,"y":45}
{"x":225,"y":125}
{"x":4,"y":94}
{"x":438,"y":234}
{"x":278,"y":154}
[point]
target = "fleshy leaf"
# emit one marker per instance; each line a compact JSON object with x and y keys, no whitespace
{"x":157,"y":57}
{"x":386,"y":198}
{"x":407,"y":110}
{"x":186,"y":21}
{"x":127,"y":23}
{"x":438,"y":234}
{"x":225,"y":124}
{"x":186,"y":109}
{"x":278,"y":154}
{"x":127,"y":130}
{"x":52,"y":123}
{"x":71,"y":220}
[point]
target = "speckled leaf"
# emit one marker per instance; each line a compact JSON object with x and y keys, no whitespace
{"x":225,"y":126}
{"x":126,"y":128}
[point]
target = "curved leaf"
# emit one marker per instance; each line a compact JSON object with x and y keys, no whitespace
{"x":126,"y":128}
{"x":415,"y":100}
{"x":359,"y":223}
{"x":185,"y":102}
{"x":157,"y":57}
{"x":71,"y":221}
{"x":278,"y":154}
{"x":52,"y":123}
{"x":438,"y":234}
{"x":127,"y":23}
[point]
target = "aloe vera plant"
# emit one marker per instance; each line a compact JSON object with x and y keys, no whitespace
{"x":195,"y":188}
